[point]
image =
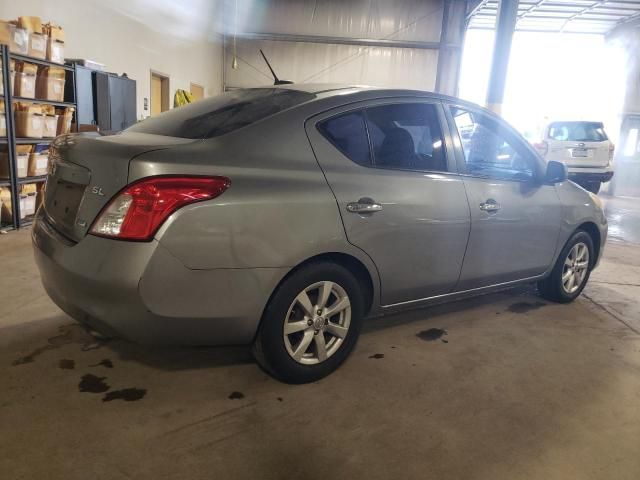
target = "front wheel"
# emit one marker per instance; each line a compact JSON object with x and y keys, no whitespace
{"x":311,"y":323}
{"x":571,"y":271}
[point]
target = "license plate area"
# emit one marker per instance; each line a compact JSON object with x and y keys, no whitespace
{"x":63,"y":202}
{"x":579,"y":152}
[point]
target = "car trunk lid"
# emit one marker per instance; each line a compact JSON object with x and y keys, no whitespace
{"x":87,"y":171}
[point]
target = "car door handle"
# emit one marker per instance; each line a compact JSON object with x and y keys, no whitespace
{"x":490,"y":206}
{"x":363,"y":207}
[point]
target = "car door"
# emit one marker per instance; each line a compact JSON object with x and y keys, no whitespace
{"x":398,"y":192}
{"x":515,"y":217}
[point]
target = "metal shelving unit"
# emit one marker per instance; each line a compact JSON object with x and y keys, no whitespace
{"x":10,"y":141}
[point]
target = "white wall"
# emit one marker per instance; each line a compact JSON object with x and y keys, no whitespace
{"x":137,"y":36}
{"x":317,"y":62}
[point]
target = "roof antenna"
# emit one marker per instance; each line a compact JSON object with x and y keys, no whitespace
{"x":276,"y":80}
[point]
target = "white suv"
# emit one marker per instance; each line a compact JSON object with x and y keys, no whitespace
{"x":583,"y":147}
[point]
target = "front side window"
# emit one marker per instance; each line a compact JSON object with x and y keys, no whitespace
{"x":406,"y":136}
{"x":490,"y":149}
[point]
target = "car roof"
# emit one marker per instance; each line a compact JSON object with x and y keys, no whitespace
{"x":324,"y":90}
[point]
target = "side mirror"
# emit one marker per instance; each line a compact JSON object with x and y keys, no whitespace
{"x":556,"y":172}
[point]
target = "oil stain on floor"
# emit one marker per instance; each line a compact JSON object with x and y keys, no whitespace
{"x":126,"y":394}
{"x":103,"y":363}
{"x":432,"y":334}
{"x":93,"y":384}
{"x":236,"y":396}
{"x":377,"y":355}
{"x":524,"y":307}
{"x":67,"y":364}
{"x":65,"y":337}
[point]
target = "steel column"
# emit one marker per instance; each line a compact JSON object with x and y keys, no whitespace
{"x":451,"y":43}
{"x":11,"y":146}
{"x":505,"y":26}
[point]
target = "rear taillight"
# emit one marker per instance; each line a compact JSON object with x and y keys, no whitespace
{"x":612,"y":149}
{"x":542,"y":147}
{"x":138,"y":211}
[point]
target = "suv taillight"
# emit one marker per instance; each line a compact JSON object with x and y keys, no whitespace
{"x":138,"y":211}
{"x":612,"y":149}
{"x":542,"y":147}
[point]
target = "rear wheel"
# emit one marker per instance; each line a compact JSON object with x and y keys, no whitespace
{"x":571,"y":271}
{"x":311,"y":324}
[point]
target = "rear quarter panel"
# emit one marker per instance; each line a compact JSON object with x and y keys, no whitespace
{"x":278,"y":212}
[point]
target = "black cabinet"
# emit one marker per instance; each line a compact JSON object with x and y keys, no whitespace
{"x":104,"y":99}
{"x":86,"y":113}
{"x":115,"y":101}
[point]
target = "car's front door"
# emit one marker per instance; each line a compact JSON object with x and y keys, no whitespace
{"x":397,"y":190}
{"x":515,"y":216}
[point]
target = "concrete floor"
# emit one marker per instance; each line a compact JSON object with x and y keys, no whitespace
{"x":515,"y":389}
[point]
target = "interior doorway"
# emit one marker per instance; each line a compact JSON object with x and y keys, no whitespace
{"x":197,"y":91}
{"x":159,"y":93}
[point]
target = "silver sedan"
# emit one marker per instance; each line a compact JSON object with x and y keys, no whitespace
{"x":283,"y":216}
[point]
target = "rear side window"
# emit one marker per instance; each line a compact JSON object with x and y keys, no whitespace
{"x":222,"y":114}
{"x":577,"y":132}
{"x":349,"y":135}
{"x":403,"y":136}
{"x":406,"y":136}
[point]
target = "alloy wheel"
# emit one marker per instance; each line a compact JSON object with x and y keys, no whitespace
{"x":317,"y":322}
{"x":575,"y":268}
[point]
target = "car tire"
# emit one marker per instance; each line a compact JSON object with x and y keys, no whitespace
{"x":557,"y":287}
{"x":278,"y":353}
{"x":594,"y":187}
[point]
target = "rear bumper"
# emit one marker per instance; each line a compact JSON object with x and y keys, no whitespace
{"x":579,"y":175}
{"x":140,"y":292}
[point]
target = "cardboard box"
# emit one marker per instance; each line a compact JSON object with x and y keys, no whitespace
{"x":5,"y":207}
{"x":30,"y":24}
{"x":38,"y":164}
{"x":65,"y":115}
{"x":40,"y":195}
{"x":19,"y":41}
{"x":29,"y":125}
{"x":53,"y":31}
{"x":5,"y":32}
{"x":50,"y":84}
{"x":22,"y":164}
{"x":50,"y":126}
{"x":55,"y":51}
{"x":24,"y":85}
{"x":30,"y":192}
{"x":38,"y":45}
{"x":3,"y":125}
{"x":27,"y":205}
{"x":24,"y":79}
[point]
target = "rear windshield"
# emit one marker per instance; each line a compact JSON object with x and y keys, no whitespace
{"x":577,"y":131}
{"x":222,"y":114}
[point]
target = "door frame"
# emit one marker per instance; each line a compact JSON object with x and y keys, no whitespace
{"x":458,"y":151}
{"x":313,"y":133}
{"x":453,"y":167}
{"x":192,"y":84}
{"x":164,"y":89}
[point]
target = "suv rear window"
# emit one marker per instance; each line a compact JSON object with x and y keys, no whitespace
{"x":577,"y":131}
{"x":222,"y":114}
